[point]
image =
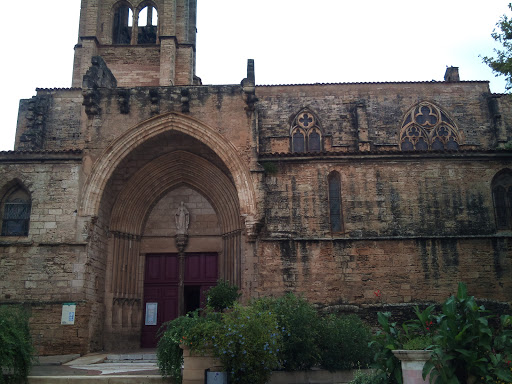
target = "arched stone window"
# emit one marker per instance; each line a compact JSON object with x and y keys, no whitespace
{"x":298,"y":140}
{"x":427,"y":127}
{"x":122,"y":24}
{"x":502,"y":199}
{"x":335,"y":212}
{"x":16,"y":206}
{"x":306,"y":134}
{"x":147,"y":24}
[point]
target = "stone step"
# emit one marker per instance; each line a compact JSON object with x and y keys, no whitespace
{"x":148,"y":357}
{"x":111,"y":379}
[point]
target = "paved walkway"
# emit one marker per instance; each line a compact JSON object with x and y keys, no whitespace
{"x":111,"y":368}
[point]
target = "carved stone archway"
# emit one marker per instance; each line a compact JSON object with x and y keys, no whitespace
{"x":222,"y":177}
{"x":124,"y":145}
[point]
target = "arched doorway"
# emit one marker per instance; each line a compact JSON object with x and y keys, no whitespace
{"x":134,"y":189}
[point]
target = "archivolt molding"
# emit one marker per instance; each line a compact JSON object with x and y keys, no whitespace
{"x":112,"y":156}
{"x":170,"y":171}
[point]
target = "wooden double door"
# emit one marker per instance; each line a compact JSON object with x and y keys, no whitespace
{"x":161,"y":289}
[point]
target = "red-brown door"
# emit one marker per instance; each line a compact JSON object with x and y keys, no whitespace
{"x":161,"y":289}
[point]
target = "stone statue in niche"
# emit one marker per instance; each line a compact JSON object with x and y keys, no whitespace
{"x":182,"y":218}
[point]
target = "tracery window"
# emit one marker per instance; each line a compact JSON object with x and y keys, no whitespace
{"x":16,"y":213}
{"x":502,"y":199}
{"x":335,"y":213}
{"x":306,"y":134}
{"x":427,"y":127}
{"x":122,"y":25}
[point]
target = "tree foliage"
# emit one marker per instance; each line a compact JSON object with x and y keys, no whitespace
{"x":16,"y":350}
{"x":502,"y":63}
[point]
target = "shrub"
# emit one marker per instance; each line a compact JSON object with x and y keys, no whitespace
{"x":344,"y":343}
{"x":465,"y":343}
{"x":192,"y":330}
{"x":248,"y":344}
{"x":222,"y":296}
{"x":16,"y":350}
{"x":300,"y":321}
{"x":368,"y":378}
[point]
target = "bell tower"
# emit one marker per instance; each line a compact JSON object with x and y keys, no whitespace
{"x":143,"y":42}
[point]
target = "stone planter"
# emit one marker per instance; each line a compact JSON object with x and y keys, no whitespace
{"x":195,"y":365}
{"x":412,"y":365}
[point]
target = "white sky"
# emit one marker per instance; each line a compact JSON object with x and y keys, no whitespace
{"x":292,"y":41}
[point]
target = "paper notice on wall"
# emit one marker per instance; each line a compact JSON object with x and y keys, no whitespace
{"x":151,"y":313}
{"x":68,"y":314}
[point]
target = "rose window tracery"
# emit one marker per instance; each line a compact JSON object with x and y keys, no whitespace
{"x":426,"y":127}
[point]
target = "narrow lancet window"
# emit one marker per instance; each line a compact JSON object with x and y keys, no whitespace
{"x":335,"y":215}
{"x":502,"y":199}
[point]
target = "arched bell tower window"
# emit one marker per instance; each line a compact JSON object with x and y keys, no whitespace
{"x":122,"y":25}
{"x":147,"y":25}
{"x":427,"y":127}
{"x":502,"y":199}
{"x":335,"y":213}
{"x":306,"y":134}
{"x":16,"y":207}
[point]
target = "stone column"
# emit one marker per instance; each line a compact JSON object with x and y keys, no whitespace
{"x":181,"y":244}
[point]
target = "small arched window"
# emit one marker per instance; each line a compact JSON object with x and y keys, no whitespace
{"x":122,"y":25}
{"x":314,"y":144}
{"x":147,"y":25}
{"x":427,"y":127}
{"x":16,"y":207}
{"x":502,"y":199}
{"x":335,"y":212}
{"x":306,"y":134}
{"x":298,"y":141}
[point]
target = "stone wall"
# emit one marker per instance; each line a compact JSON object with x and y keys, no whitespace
{"x":383,"y":106}
{"x":414,"y":224}
{"x":379,"y":271}
{"x":405,"y":195}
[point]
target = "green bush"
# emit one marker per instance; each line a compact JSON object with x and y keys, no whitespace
{"x":222,"y":296}
{"x":191,"y":330}
{"x":270,"y":333}
{"x":16,"y":350}
{"x":299,"y":321}
{"x":368,"y":378}
{"x":248,"y":344}
{"x":465,"y":344}
{"x":344,"y":343}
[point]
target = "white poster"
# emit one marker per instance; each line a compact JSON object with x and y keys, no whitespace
{"x":68,"y":314}
{"x":151,"y":312}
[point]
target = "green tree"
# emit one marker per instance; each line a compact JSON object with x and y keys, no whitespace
{"x":502,"y":63}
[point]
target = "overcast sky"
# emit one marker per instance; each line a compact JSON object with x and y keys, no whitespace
{"x":292,"y":41}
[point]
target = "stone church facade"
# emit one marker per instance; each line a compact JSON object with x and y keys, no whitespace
{"x":353,"y":195}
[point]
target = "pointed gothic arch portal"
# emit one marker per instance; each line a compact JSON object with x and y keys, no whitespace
{"x":135,"y":184}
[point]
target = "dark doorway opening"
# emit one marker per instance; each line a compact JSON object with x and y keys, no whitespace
{"x":192,"y":298}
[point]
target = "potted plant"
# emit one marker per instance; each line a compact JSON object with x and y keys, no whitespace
{"x":417,"y":339}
